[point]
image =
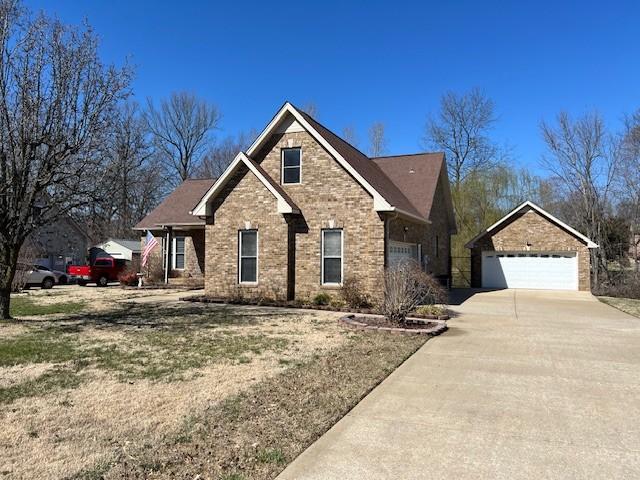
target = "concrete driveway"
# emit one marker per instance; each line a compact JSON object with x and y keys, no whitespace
{"x":524,"y":385}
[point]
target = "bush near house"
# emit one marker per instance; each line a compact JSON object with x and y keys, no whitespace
{"x":406,"y":287}
{"x":128,"y":278}
{"x":353,"y":295}
{"x":322,"y":299}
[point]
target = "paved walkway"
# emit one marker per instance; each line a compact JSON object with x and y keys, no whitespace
{"x":524,"y":385}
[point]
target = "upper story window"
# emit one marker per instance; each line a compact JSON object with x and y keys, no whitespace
{"x":291,"y":165}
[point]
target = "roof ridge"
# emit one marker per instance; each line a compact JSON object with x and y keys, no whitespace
{"x":407,"y":155}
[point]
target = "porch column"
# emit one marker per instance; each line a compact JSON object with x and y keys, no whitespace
{"x":167,"y":259}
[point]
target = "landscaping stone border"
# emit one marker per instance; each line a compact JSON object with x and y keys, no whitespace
{"x":294,"y":304}
{"x":352,"y":322}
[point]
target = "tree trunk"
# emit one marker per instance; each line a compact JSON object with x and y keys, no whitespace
{"x":8,"y":262}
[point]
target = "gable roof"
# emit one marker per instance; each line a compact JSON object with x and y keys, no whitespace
{"x":419,"y":175}
{"x":532,"y":206}
{"x":133,"y":245}
{"x":285,"y":203}
{"x":369,"y":170}
{"x":389,"y":192}
{"x":175,"y":209}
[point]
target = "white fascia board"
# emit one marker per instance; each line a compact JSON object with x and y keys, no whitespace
{"x":380,"y":204}
{"x":541,"y":211}
{"x":201,"y":208}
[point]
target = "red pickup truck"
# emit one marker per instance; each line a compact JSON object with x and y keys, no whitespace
{"x":103,"y":271}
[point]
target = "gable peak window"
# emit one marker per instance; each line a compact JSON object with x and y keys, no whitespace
{"x":291,"y":165}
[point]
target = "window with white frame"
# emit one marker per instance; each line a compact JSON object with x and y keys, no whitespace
{"x":332,"y":257}
{"x":248,"y":256}
{"x":178,"y":253}
{"x":291,"y":165}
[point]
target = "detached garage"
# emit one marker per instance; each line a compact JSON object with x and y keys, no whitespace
{"x":530,"y":248}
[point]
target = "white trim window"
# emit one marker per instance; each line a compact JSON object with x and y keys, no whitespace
{"x":332,"y":246}
{"x":248,"y":256}
{"x":178,"y":253}
{"x":291,"y":166}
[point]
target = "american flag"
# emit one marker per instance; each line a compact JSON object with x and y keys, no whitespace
{"x":149,"y":244}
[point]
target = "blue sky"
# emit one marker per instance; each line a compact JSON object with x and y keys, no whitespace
{"x":361,"y":62}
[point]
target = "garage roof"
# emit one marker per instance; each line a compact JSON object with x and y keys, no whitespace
{"x":532,"y":206}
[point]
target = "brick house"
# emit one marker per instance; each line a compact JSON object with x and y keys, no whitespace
{"x":530,"y":248}
{"x":180,"y":256}
{"x":302,"y":210}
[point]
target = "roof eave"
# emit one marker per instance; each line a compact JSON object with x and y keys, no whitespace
{"x":589,"y":243}
{"x":202,"y":210}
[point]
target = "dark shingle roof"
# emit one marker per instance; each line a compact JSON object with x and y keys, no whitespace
{"x":369,"y":170}
{"x":417,"y":175}
{"x":174,"y":210}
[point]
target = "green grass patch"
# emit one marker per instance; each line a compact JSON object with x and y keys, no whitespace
{"x":57,"y":379}
{"x":38,"y":346}
{"x":26,"y":307}
{"x":271,"y":455}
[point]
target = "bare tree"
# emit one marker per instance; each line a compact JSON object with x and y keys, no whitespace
{"x":377,"y":140}
{"x":57,"y":100}
{"x":133,"y":181}
{"x":181,"y":129}
{"x":218,"y":158}
{"x":629,"y":179}
{"x":311,"y":109}
{"x":461,"y":129}
{"x":584,"y":159}
{"x":349,"y":134}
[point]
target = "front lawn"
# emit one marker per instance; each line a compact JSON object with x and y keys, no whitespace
{"x":627,"y":305}
{"x":25,"y":306}
{"x":147,"y":390}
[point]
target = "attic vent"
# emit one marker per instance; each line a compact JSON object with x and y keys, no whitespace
{"x":412,"y":171}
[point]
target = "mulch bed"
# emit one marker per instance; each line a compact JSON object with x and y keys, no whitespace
{"x":297,"y":304}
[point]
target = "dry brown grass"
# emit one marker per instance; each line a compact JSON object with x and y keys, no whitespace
{"x":627,"y":305}
{"x":85,"y":389}
{"x":256,"y":433}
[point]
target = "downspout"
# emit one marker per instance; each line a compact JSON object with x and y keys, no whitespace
{"x":387,"y":221}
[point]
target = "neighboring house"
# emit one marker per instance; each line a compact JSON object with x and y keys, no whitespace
{"x":59,"y":244}
{"x":116,"y":248}
{"x":303,"y":210}
{"x":174,"y":226}
{"x":530,"y":248}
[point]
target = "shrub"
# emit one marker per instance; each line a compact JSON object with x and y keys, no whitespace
{"x":431,"y":310}
{"x":128,"y":278}
{"x":622,"y":284}
{"x":405,"y":287}
{"x":352,"y":294}
{"x":322,"y":299}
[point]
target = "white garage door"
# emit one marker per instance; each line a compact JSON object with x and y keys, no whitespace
{"x":553,"y":271}
{"x":400,"y":251}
